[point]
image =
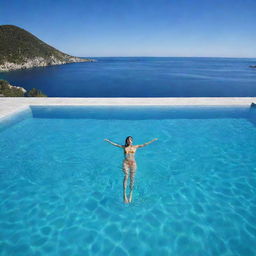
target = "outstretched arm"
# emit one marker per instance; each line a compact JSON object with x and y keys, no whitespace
{"x":113,"y":143}
{"x":145,"y":144}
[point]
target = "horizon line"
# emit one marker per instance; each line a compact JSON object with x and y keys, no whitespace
{"x":167,"y":57}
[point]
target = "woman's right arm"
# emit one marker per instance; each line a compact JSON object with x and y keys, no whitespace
{"x":113,"y":143}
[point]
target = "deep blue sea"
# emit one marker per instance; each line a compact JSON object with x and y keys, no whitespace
{"x":142,"y":77}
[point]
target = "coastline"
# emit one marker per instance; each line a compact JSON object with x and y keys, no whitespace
{"x":40,"y":62}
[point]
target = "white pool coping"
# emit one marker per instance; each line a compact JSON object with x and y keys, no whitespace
{"x":11,"y":105}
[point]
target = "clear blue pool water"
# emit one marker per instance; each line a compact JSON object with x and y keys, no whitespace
{"x":195,"y":188}
{"x":143,"y":77}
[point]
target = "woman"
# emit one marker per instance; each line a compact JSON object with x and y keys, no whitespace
{"x":129,"y":163}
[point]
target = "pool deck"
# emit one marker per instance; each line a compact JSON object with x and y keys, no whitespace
{"x":11,"y":105}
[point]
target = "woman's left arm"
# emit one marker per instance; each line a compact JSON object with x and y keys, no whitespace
{"x":145,"y":144}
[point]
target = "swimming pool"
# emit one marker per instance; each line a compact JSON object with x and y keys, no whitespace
{"x":195,"y":188}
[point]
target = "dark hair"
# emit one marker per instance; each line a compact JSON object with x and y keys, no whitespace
{"x":126,"y":140}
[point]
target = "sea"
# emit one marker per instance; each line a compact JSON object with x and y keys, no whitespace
{"x":142,"y":77}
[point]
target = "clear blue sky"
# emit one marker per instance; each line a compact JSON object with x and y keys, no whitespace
{"x":139,"y":27}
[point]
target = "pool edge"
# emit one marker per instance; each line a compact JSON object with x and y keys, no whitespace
{"x":15,"y":116}
{"x":13,"y":105}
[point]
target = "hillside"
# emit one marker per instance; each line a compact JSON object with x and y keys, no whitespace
{"x":8,"y":90}
{"x":20,"y":49}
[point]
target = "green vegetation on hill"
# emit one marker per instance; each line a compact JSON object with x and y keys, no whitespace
{"x":18,"y":44}
{"x":8,"y":90}
{"x":35,"y":93}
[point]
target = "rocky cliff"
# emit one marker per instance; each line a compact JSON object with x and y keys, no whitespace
{"x":20,"y":49}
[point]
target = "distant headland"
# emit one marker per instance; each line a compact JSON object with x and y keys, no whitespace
{"x":20,"y":49}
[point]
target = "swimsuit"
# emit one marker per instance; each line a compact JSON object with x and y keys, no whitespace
{"x":129,"y":163}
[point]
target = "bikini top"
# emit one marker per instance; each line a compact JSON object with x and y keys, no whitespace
{"x":131,"y":151}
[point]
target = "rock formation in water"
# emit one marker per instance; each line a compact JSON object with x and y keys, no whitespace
{"x":20,"y":49}
{"x":8,"y":90}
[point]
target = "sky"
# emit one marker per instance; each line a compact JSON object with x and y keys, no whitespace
{"x":178,"y":28}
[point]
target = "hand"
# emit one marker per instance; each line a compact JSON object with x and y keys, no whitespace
{"x":155,"y":139}
{"x":106,"y":139}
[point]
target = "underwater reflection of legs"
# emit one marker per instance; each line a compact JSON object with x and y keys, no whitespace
{"x":132,"y":175}
{"x":128,"y":169}
{"x":126,"y":174}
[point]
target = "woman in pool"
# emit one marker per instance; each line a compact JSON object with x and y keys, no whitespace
{"x":129,"y":163}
